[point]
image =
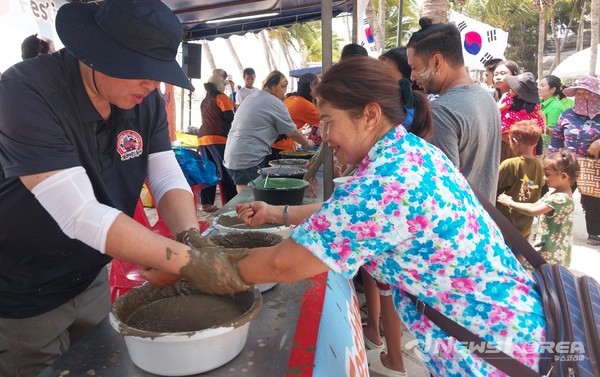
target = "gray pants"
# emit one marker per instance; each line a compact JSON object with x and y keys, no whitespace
{"x":29,"y":345}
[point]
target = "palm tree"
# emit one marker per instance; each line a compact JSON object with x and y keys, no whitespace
{"x":436,"y":10}
{"x":267,"y":50}
{"x":544,"y":7}
{"x":209,"y":55}
{"x":595,"y":15}
{"x":579,"y":45}
{"x":235,"y":56}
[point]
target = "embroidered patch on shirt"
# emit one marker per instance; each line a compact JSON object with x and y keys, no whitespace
{"x":129,"y":144}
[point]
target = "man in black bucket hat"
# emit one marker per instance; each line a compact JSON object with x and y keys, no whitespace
{"x":80,"y":130}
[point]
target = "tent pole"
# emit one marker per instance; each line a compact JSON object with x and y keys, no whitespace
{"x":399,"y":31}
{"x":354,"y":21}
{"x":327,"y":57}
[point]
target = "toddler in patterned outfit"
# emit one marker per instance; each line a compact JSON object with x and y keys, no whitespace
{"x":554,"y":234}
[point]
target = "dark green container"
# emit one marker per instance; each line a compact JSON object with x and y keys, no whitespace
{"x":279,"y":191}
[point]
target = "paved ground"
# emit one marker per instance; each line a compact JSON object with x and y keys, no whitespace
{"x":585,"y":258}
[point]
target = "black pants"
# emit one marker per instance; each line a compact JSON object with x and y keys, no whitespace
{"x":215,"y":153}
{"x":591,"y":206}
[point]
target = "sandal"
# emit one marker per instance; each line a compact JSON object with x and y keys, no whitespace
{"x":372,"y":346}
{"x":376,"y":366}
{"x":593,"y":240}
{"x":209,"y":208}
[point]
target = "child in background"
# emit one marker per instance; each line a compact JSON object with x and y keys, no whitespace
{"x":554,"y":234}
{"x":521,"y":177}
{"x":521,"y":102}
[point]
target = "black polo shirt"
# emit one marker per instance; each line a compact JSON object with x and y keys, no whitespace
{"x":47,"y":122}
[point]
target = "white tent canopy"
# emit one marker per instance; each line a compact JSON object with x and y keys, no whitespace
{"x":576,"y":65}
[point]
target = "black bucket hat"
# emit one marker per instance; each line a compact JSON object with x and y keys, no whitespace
{"x":525,"y":86}
{"x":127,"y":39}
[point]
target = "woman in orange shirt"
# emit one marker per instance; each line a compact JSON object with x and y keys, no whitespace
{"x":302,"y":110}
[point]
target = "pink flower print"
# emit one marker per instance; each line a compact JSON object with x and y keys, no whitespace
{"x":423,"y":326}
{"x":417,"y":224}
{"x":415,"y":158}
{"x":444,"y":297}
{"x":443,"y":256}
{"x":472,"y":223}
{"x":415,"y":275}
{"x":368,"y":229}
{"x":393,"y":193}
{"x":502,"y":315}
{"x":343,"y":249}
{"x":320,"y":223}
{"x":463,"y":284}
{"x":524,"y":288}
{"x":525,"y":353}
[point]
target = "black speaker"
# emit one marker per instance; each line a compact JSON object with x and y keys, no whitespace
{"x":192,"y":57}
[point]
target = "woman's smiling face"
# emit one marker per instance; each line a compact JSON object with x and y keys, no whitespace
{"x":344,"y":135}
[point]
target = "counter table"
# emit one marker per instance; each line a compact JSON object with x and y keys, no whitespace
{"x":309,"y":328}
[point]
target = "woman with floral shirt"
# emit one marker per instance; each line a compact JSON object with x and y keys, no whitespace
{"x":578,"y":130}
{"x":410,"y":218}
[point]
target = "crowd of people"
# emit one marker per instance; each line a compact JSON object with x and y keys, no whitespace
{"x":81,"y":129}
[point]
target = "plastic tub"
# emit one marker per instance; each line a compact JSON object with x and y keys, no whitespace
{"x":283,"y":171}
{"x":188,"y":352}
{"x":250,"y":238}
{"x":288,"y":161}
{"x":280,"y":191}
{"x":306,"y":155}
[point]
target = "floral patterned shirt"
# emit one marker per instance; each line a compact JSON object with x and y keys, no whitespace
{"x":554,"y":235}
{"x":575,"y":132}
{"x":411,"y":219}
{"x":509,"y":117}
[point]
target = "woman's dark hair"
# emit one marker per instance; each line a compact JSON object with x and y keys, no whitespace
{"x":520,"y":104}
{"x":422,"y":122}
{"x":355,"y":82}
{"x":555,"y":83}
{"x":512,"y":66}
{"x":273,"y":79}
{"x":398,"y":56}
{"x":441,"y":39}
{"x":304,"y":83}
{"x":563,"y":161}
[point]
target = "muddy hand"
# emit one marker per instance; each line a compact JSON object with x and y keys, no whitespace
{"x":214,"y":270}
{"x":192,"y":237}
{"x":158,"y":277}
{"x":253,"y":214}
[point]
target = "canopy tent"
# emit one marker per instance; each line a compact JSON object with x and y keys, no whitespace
{"x":576,"y":65}
{"x":221,"y":18}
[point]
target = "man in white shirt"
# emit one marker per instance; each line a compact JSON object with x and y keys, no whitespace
{"x":249,"y":77}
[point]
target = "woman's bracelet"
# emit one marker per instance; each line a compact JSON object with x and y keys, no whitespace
{"x":285,"y":215}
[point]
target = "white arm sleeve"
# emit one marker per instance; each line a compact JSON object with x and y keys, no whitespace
{"x":164,"y":174}
{"x":69,"y":198}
